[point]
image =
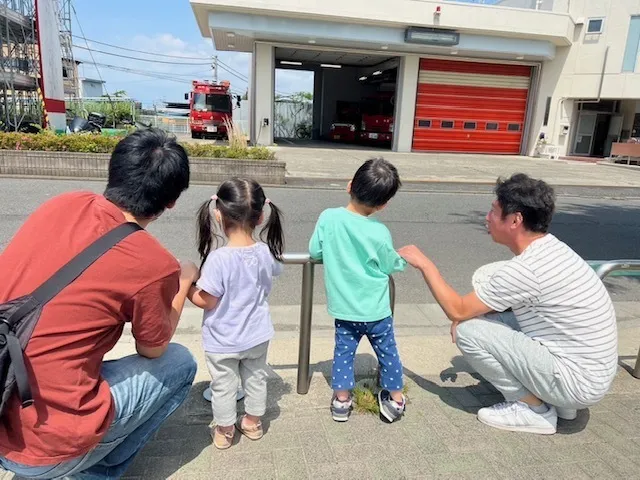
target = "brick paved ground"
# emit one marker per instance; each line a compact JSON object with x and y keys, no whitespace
{"x":438,"y":438}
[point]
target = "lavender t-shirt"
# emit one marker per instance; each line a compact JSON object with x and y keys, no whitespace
{"x":241,"y":277}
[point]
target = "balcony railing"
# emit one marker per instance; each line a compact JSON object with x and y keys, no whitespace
{"x":560,"y":6}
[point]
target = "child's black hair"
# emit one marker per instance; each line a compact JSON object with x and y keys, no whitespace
{"x":240,"y":202}
{"x":375,"y":183}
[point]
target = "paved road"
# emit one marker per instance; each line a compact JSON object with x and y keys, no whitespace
{"x":448,"y":224}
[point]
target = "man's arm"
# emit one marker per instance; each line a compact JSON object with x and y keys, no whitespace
{"x":188,"y":274}
{"x":456,"y":307}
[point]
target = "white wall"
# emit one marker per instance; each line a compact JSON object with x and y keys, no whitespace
{"x":406,"y":97}
{"x":576,"y":72}
{"x":262,"y":88}
{"x":91,"y":89}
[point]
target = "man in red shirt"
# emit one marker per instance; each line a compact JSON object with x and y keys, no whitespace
{"x":91,"y":417}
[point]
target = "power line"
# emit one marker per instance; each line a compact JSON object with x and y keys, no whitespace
{"x":163,"y":76}
{"x":138,"y":51}
{"x":173,"y":77}
{"x":140,"y":59}
{"x":221,"y":63}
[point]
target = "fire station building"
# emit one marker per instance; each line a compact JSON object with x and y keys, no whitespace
{"x":475,"y":76}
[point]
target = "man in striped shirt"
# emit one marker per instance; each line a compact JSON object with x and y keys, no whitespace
{"x":540,"y":327}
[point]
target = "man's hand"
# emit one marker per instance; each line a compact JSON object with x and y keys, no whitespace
{"x":414,"y":256}
{"x":189,"y":273}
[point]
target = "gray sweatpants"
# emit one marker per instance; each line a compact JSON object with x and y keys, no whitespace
{"x":511,"y":361}
{"x":227,"y":371}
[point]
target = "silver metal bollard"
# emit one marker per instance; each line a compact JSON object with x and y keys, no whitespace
{"x":609,"y":267}
{"x":306,"y":314}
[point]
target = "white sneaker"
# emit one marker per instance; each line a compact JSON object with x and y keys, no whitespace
{"x":518,"y":417}
{"x":567,"y":413}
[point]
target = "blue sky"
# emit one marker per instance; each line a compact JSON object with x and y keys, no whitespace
{"x":167,"y":27}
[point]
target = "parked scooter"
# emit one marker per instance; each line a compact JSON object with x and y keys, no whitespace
{"x":93,"y":124}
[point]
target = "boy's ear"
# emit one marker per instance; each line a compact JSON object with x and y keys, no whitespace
{"x":381,"y":207}
{"x":349,"y":187}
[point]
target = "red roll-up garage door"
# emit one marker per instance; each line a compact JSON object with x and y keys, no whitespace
{"x":470,"y":107}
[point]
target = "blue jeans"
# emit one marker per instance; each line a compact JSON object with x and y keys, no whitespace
{"x":383,"y":341}
{"x":145,"y":392}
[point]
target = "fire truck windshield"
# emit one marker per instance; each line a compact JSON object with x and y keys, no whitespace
{"x":211,"y":103}
{"x":377,"y":107}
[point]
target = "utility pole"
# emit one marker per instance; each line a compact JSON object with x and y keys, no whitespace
{"x":215,"y":68}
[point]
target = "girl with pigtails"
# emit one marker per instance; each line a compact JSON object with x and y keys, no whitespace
{"x":237,"y":273}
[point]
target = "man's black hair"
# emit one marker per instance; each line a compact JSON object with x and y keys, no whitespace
{"x":534,"y":199}
{"x":375,"y":183}
{"x":147,"y":173}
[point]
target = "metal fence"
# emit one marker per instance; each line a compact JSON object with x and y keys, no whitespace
{"x":175,"y":125}
{"x":560,"y":6}
{"x":609,"y":267}
{"x":292,"y":119}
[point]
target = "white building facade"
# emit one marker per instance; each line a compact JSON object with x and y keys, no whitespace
{"x":468,"y":77}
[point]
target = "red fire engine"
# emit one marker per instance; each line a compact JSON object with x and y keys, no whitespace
{"x":210,"y":105}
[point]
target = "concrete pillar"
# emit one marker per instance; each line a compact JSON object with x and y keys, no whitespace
{"x":317,"y":103}
{"x":406,"y":94}
{"x":628,"y":110}
{"x":263,"y":78}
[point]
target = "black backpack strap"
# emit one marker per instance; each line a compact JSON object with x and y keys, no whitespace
{"x":49,"y":289}
{"x":19,"y":369}
{"x":82,"y":261}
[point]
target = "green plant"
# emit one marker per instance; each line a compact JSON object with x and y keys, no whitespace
{"x":96,"y":143}
{"x":365,"y":396}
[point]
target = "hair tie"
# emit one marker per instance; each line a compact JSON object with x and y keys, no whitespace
{"x":267,"y":201}
{"x":214,"y":197}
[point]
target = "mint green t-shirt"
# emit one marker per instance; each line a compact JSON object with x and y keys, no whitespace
{"x":358,"y":257}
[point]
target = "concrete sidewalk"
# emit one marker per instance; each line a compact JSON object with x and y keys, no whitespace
{"x":439,"y":437}
{"x":339,"y":163}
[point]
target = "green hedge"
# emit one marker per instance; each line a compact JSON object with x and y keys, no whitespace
{"x":94,"y":143}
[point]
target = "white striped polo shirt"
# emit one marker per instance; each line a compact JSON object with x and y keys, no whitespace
{"x":559,"y":301}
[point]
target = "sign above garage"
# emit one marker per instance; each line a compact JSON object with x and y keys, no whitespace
{"x":432,"y":36}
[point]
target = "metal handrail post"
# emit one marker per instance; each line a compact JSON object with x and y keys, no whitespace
{"x":306,"y":312}
{"x":614,"y":266}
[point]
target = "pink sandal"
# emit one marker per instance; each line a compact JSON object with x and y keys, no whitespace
{"x":253,"y":432}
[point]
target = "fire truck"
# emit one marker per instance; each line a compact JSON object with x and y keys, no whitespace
{"x":347,"y":121}
{"x":210,"y":104}
{"x":377,"y":119}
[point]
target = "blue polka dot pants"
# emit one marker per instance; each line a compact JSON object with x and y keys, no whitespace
{"x":383,"y":341}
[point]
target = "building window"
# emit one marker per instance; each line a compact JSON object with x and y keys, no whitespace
{"x":492,"y":126}
{"x":424,"y":123}
{"x":447,"y":124}
{"x":469,"y":125}
{"x":595,"y":25}
{"x":631,"y":50}
{"x":547,"y":110}
{"x":514,"y":127}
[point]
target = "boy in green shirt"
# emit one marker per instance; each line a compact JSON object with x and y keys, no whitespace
{"x":358,"y":256}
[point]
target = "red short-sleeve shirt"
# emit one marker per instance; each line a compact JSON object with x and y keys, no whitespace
{"x":133,"y":282}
